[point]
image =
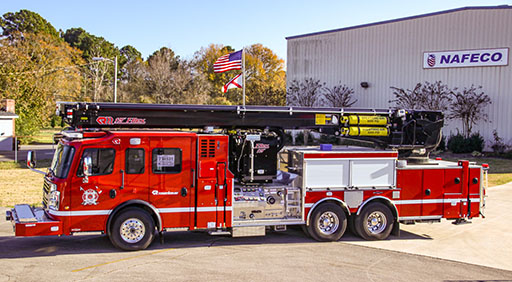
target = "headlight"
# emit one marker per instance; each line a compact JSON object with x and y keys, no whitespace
{"x":53,"y":200}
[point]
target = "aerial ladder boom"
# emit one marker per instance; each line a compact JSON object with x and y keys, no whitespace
{"x":404,"y":130}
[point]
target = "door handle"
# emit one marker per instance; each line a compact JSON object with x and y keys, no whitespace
{"x":184,"y":191}
{"x":427,"y":192}
{"x":122,"y":179}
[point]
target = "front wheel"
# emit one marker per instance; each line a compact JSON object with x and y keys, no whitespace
{"x":327,"y":223}
{"x":375,"y":222}
{"x":133,"y":229}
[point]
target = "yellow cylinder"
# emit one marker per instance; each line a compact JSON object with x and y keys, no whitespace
{"x":367,"y":131}
{"x":365,"y":120}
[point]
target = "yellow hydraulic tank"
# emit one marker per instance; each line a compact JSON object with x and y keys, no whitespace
{"x":365,"y":120}
{"x":366,"y":131}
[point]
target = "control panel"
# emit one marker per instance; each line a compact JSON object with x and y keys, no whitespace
{"x":256,"y":202}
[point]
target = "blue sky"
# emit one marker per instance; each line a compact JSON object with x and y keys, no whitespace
{"x":186,"y":26}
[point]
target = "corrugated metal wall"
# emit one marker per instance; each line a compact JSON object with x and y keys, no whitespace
{"x":391,"y":54}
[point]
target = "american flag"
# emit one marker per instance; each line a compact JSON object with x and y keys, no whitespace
{"x":235,"y":82}
{"x":227,"y":62}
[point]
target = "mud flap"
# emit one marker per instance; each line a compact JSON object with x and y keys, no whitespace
{"x":396,"y":229}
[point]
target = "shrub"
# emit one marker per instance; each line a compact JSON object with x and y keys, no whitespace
{"x":459,"y":144}
{"x":498,"y":146}
{"x":476,"y":142}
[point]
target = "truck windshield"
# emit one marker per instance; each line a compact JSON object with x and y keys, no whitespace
{"x":62,"y":160}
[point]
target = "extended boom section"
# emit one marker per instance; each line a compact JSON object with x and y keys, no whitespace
{"x":400,"y":129}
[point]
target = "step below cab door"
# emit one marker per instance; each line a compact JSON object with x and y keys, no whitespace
{"x":171,"y":179}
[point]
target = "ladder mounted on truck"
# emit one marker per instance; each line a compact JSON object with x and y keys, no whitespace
{"x":403,"y":130}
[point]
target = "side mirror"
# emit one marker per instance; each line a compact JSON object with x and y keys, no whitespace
{"x":31,"y":162}
{"x":31,"y":159}
{"x":87,"y":168}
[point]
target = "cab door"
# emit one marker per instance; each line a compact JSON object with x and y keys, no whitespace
{"x":93,"y":197}
{"x":171,"y":179}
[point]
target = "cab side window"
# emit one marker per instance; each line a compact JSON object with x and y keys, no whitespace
{"x":102,"y":161}
{"x":134,"y":161}
{"x":166,"y":160}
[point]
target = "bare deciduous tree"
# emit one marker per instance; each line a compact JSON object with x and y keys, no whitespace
{"x":339,"y":96}
{"x":427,"y":96}
{"x":468,"y":106}
{"x":306,"y":93}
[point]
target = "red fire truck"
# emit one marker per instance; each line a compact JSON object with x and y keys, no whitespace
{"x":134,"y":170}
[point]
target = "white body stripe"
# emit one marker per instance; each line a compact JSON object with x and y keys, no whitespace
{"x":425,"y":217}
{"x":434,"y":201}
{"x":417,"y":202}
{"x":79,"y":213}
{"x":163,"y":210}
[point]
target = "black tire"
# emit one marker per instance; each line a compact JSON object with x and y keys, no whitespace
{"x":328,"y":222}
{"x":375,"y":222}
{"x":132,"y":229}
{"x":305,"y":230}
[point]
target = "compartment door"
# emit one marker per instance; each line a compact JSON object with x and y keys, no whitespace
{"x":432,"y":201}
{"x":455,"y":193}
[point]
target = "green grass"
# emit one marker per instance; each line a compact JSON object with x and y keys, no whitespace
{"x":45,"y":135}
{"x":496,"y":179}
{"x":41,"y":164}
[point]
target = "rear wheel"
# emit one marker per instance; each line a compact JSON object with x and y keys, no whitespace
{"x":328,"y":222}
{"x":133,"y":229}
{"x":375,"y":222}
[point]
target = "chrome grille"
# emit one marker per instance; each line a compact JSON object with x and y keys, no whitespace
{"x":46,"y":190}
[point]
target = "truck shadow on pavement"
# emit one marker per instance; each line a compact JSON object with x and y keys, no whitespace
{"x":17,"y":247}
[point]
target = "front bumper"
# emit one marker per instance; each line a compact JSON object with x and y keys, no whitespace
{"x":30,"y":221}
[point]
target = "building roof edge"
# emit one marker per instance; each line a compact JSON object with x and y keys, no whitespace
{"x":401,"y":19}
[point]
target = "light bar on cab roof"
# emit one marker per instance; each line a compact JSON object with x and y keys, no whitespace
{"x":69,"y":134}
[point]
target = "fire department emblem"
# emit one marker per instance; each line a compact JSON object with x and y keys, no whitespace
{"x":90,"y":196}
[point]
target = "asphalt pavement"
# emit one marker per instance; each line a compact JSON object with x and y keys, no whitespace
{"x":43,"y":152}
{"x":192,"y":256}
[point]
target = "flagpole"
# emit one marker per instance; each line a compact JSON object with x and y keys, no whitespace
{"x":243,"y":76}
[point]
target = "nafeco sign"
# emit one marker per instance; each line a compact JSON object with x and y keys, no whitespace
{"x":465,"y":58}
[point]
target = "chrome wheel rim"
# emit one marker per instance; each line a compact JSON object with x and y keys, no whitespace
{"x":328,"y":223}
{"x":132,"y":230}
{"x":376,"y":222}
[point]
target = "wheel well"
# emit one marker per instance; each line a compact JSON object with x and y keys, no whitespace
{"x":334,"y":201}
{"x":385,"y":202}
{"x":135,"y":204}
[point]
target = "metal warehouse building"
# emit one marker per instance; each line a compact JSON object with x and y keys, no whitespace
{"x":459,"y":47}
